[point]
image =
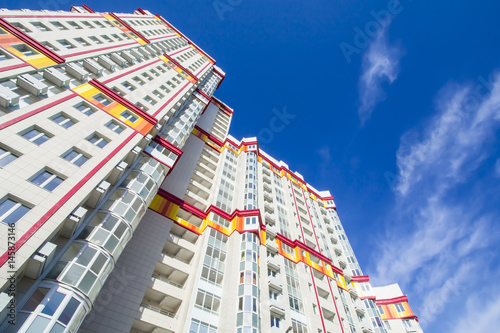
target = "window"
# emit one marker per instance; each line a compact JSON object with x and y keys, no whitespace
{"x":275,"y":321}
{"x":40,"y":26}
{"x":6,"y":157}
{"x":36,"y":136}
{"x":84,"y":108}
{"x":24,"y":49}
{"x":82,"y":41}
{"x":99,"y":24}
{"x":107,"y":39}
{"x":58,"y":25}
{"x":87,"y":24}
{"x":113,"y":125}
{"x":387,"y":325}
{"x":95,"y":40}
{"x":298,"y":327}
{"x":63,"y":120}
{"x":129,"y":116}
{"x":74,"y":25}
{"x":207,"y":301}
{"x":97,"y":140}
{"x":12,"y":211}
{"x":380,"y":310}
{"x":4,"y":56}
{"x":47,"y":180}
{"x":128,"y":85}
{"x":138,"y":80}
{"x":102,"y":99}
{"x":150,"y":100}
{"x":400,"y":307}
{"x":115,"y":36}
{"x":66,"y":44}
{"x":75,"y":157}
{"x":407,"y":323}
{"x":201,"y":327}
{"x":273,"y":294}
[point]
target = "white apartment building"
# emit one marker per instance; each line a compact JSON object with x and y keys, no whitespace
{"x":126,"y":206}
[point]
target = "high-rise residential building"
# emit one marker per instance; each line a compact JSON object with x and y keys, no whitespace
{"x":125,"y":206}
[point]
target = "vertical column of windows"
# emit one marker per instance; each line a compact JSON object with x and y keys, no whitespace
{"x":250,"y":197}
{"x":226,"y":185}
{"x":292,"y":281}
{"x":282,"y":211}
{"x":248,"y":316}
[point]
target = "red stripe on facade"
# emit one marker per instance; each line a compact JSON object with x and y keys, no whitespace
{"x":31,"y":231}
{"x":201,"y":70}
{"x":210,"y":136}
{"x":125,"y":24}
{"x":87,"y":8}
{"x":30,"y":41}
{"x":8,"y":68}
{"x":40,"y":109}
{"x":203,"y":94}
{"x":154,"y":61}
{"x":168,"y":145}
{"x":361,"y":278}
{"x":391,"y":300}
{"x":97,"y":50}
{"x":171,"y":98}
{"x":180,"y":66}
{"x":140,"y":10}
{"x":188,"y":47}
{"x":110,"y":93}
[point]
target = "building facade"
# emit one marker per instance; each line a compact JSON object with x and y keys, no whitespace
{"x":127,"y":207}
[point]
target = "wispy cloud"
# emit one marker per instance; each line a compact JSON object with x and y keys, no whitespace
{"x":380,"y":65}
{"x":442,"y":233}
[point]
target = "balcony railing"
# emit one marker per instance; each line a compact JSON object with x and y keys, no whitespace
{"x":162,"y":311}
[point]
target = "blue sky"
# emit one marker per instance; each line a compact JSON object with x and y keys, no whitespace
{"x":403,"y":131}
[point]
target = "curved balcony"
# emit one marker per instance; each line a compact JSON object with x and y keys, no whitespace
{"x":84,"y":266}
{"x":51,"y":308}
{"x":127,"y":205}
{"x":109,"y":231}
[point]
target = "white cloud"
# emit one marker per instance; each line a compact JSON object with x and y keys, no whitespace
{"x":441,"y":240}
{"x":482,"y":314}
{"x":380,"y":64}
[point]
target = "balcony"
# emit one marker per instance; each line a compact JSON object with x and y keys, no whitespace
{"x":342,"y":263}
{"x":338,"y":250}
{"x":268,"y":207}
{"x":271,"y":230}
{"x":276,"y":307}
{"x":274,"y":283}
{"x":269,"y":218}
{"x":158,"y":317}
{"x":272,"y":246}
{"x":366,"y":329}
{"x":273,"y":262}
{"x":267,"y":188}
{"x":359,"y":310}
{"x":267,"y":197}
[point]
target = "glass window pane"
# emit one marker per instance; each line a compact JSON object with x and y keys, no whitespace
{"x":53,"y":303}
{"x":17,"y":214}
{"x":82,"y":159}
{"x":31,"y":134}
{"x":68,"y":312}
{"x":35,"y":299}
{"x":38,"y":325}
{"x":41,"y":178}
{"x":57,"y":328}
{"x":7,"y":159}
{"x":53,"y":183}
{"x":6,"y":205}
{"x":41,"y":139}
